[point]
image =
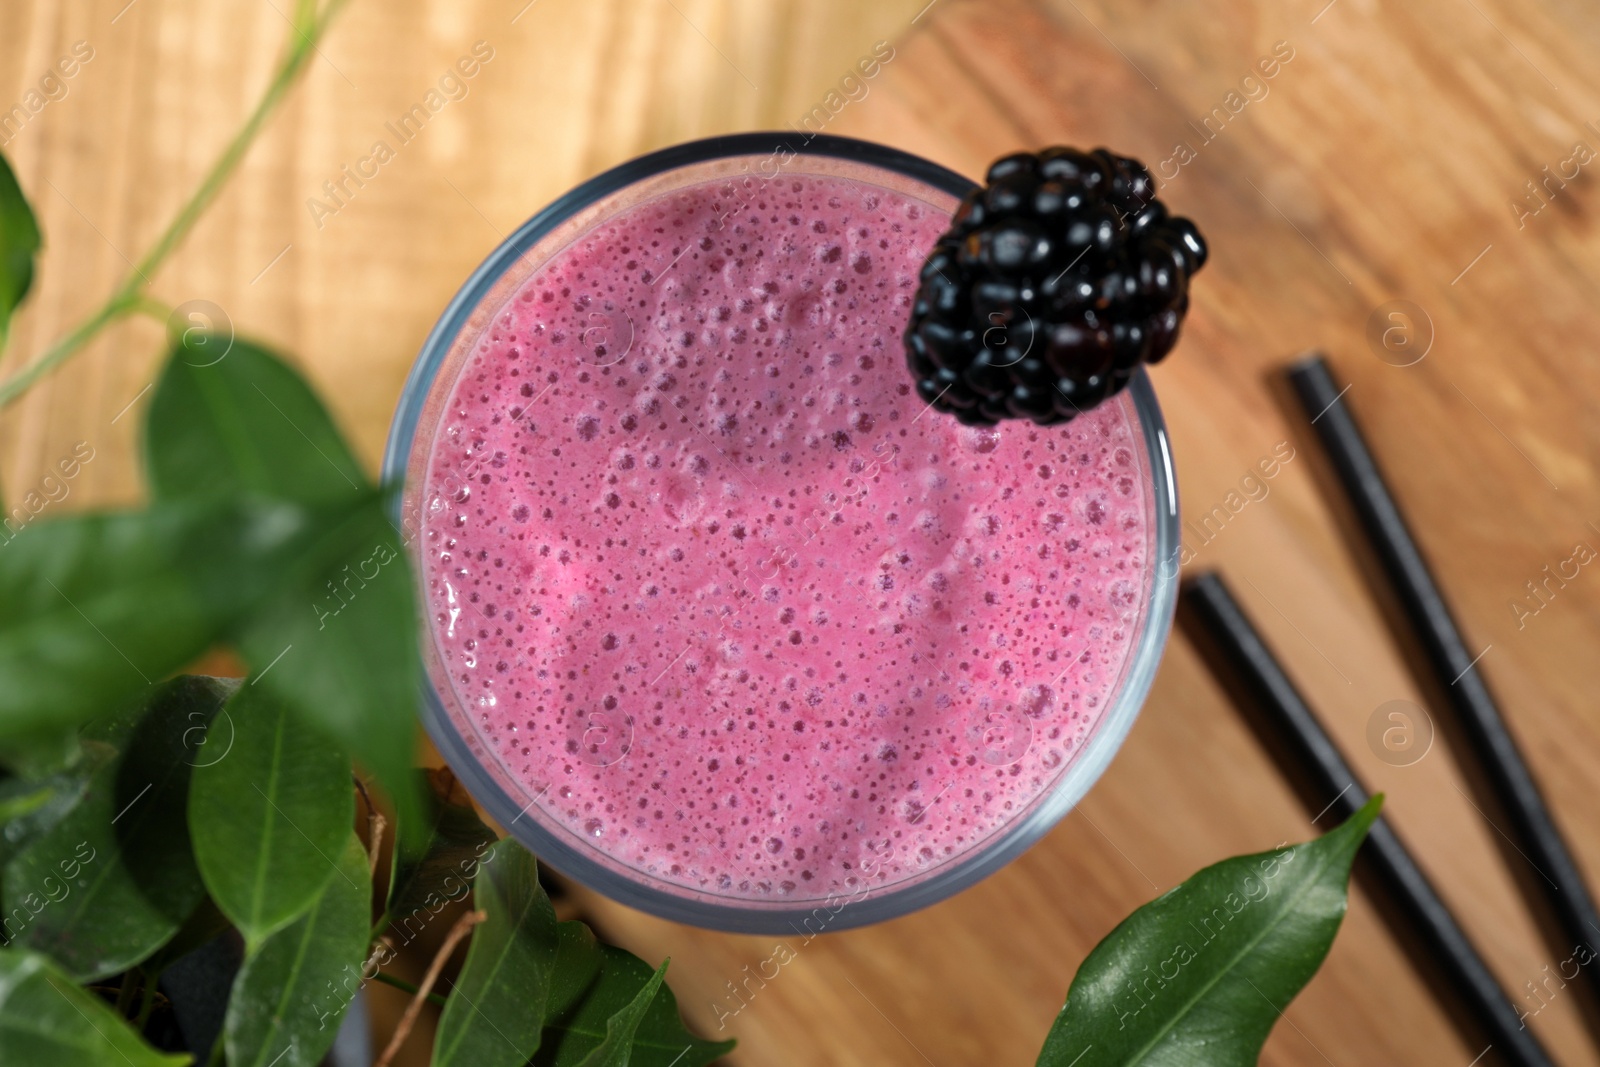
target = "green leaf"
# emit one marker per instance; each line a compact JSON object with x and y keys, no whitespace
{"x":82,"y":593}
{"x":31,"y":806}
{"x":243,"y":422}
{"x":1201,"y":974}
{"x":19,"y":799}
{"x":296,"y":986}
{"x":591,"y":985}
{"x":46,"y":1019}
{"x":496,"y":1009}
{"x":110,"y":882}
{"x":270,"y":815}
{"x":450,"y":847}
{"x":339,"y":645}
{"x":19,"y":243}
{"x":578,"y":959}
{"x":76,"y":640}
{"x":42,"y":754}
{"x":617,"y":1048}
{"x":344,"y":622}
{"x":100,"y":605}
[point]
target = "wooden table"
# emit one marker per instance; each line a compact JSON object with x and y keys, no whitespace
{"x":1383,"y":161}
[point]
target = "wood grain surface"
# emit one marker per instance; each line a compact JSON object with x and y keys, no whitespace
{"x":1384,"y":160}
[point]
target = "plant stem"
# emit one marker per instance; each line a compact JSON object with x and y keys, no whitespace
{"x":402,"y":984}
{"x":402,"y":1030}
{"x":130,"y":983}
{"x":148,"y":1001}
{"x":376,"y":824}
{"x":159,"y":310}
{"x":129,"y":296}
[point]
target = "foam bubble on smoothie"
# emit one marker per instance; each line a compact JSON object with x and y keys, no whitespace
{"x":712,"y":583}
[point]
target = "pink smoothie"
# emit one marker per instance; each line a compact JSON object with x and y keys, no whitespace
{"x":711,"y":582}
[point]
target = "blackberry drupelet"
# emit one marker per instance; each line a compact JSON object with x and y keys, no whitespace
{"x":1056,"y":280}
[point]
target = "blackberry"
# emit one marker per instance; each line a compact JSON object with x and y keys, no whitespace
{"x":1056,"y":280}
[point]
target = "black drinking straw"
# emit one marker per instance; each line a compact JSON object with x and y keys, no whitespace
{"x":1315,"y":765}
{"x":1453,"y":662}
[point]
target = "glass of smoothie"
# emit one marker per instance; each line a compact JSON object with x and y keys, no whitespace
{"x":723,"y":620}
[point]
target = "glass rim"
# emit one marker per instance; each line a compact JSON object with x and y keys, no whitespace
{"x":859,"y":908}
